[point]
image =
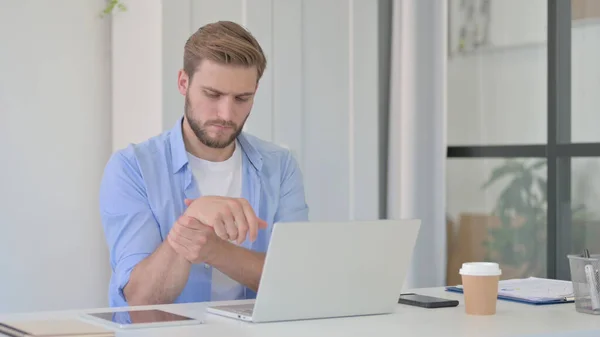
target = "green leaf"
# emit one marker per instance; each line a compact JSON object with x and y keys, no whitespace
{"x":525,"y":181}
{"x":110,"y":7}
{"x":509,"y":167}
{"x":538,"y":164}
{"x":543,"y":185}
{"x":513,"y":196}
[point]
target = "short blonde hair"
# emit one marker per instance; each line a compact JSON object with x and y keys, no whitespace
{"x":223,"y":42}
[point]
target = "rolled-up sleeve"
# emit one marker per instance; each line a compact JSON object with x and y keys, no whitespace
{"x":131,"y":230}
{"x":292,"y":200}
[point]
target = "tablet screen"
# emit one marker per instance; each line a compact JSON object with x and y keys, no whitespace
{"x":140,"y":316}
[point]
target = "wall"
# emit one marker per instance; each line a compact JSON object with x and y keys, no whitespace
{"x":54,"y":141}
{"x":136,"y":80}
{"x":319,"y":95}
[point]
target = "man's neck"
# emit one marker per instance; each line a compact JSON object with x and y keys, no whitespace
{"x":194,"y":146}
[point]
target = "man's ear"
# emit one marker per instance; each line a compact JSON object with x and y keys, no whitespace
{"x":183,"y":82}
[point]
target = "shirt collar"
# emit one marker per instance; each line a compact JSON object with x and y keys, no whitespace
{"x":179,"y":156}
{"x":250,"y":151}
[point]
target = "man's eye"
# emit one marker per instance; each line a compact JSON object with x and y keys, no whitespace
{"x":242,"y":99}
{"x":212,"y":95}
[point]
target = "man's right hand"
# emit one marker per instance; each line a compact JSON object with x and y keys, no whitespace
{"x":196,"y":242}
{"x":231,"y":218}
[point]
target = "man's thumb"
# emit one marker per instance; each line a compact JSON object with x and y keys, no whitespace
{"x":187,"y":202}
{"x":262,"y":224}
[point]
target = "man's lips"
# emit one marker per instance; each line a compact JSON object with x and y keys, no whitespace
{"x":220,"y":127}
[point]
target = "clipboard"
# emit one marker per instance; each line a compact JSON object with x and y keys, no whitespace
{"x":533,"y":291}
{"x":458,"y":289}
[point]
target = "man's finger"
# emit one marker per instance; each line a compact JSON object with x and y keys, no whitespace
{"x":241,"y":222}
{"x":190,"y":222}
{"x":175,"y":243}
{"x":262,"y":224}
{"x":220,"y":229}
{"x":251,"y":219}
{"x":229,"y":222}
{"x":188,"y":202}
{"x":184,"y":234}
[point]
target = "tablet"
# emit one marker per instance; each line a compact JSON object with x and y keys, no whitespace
{"x":135,"y":319}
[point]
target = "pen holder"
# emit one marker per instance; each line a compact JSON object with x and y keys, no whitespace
{"x":585,"y":275}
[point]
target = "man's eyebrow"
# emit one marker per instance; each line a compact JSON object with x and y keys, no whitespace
{"x":222,"y":93}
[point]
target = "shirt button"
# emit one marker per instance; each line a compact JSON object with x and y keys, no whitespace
{"x":206,"y":266}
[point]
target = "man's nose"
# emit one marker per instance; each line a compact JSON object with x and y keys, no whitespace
{"x":227,"y":108}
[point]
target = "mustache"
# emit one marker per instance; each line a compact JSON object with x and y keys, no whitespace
{"x":221,"y":122}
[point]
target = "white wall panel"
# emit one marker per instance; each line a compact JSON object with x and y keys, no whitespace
{"x":176,"y":29}
{"x":206,"y":11}
{"x":287,"y":67}
{"x":258,"y":18}
{"x":364,"y":98}
{"x":55,"y":137}
{"x":136,"y":72}
{"x":326,"y":107}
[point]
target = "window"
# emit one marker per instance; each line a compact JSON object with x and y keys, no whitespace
{"x":524,"y":133}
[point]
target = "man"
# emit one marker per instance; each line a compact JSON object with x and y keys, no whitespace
{"x":188,"y":214}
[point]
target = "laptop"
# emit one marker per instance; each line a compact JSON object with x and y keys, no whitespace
{"x":329,"y":269}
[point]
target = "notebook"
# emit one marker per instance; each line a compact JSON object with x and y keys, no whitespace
{"x":532,"y":290}
{"x":54,"y":328}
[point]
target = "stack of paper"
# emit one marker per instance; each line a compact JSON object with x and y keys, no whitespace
{"x":533,"y":290}
{"x":537,"y":289}
{"x":54,"y":328}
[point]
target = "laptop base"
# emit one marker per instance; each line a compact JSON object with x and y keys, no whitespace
{"x":237,"y":311}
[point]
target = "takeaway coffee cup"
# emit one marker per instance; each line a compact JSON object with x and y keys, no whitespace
{"x":480,"y":286}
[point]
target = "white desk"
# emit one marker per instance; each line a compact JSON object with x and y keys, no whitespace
{"x":512,"y":319}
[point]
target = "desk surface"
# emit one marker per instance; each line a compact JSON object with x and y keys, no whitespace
{"x":512,"y":319}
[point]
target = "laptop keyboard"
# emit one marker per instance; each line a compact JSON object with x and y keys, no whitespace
{"x":242,"y":309}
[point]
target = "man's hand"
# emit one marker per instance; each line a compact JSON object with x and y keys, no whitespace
{"x":193,"y":240}
{"x":231,"y":218}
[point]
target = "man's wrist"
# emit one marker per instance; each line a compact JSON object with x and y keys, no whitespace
{"x":175,"y":254}
{"x":219,"y":252}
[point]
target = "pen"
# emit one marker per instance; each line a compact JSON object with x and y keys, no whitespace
{"x":593,"y":279}
{"x":593,"y":284}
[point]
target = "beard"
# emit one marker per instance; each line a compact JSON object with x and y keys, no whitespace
{"x":199,"y":129}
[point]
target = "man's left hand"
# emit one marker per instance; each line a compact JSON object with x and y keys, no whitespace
{"x":231,"y":218}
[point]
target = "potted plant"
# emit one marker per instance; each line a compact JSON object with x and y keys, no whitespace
{"x":519,"y":241}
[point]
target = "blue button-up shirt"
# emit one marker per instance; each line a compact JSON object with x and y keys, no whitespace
{"x":143,"y":190}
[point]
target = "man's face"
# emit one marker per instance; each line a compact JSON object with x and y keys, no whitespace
{"x":218,"y":101}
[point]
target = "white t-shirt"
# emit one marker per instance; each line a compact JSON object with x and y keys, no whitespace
{"x":220,"y":179}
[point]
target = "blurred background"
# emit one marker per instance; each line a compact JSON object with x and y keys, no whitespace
{"x":478,"y":117}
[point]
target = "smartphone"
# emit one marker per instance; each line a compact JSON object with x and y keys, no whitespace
{"x":426,"y":301}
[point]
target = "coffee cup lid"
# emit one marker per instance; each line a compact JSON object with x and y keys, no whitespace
{"x":480,"y":269}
